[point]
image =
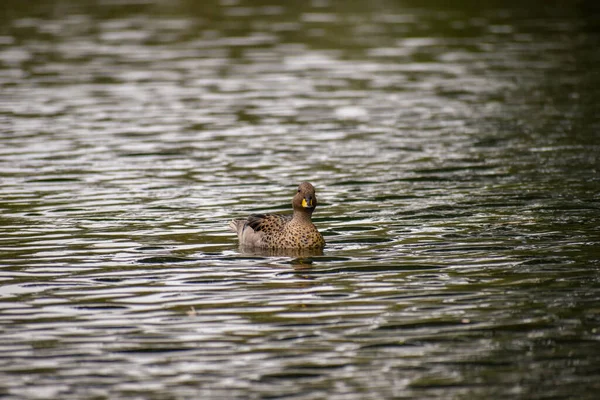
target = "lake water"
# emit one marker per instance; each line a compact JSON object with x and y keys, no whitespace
{"x":454,"y":149}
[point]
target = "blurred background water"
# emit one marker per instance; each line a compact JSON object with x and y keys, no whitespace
{"x":454,"y":148}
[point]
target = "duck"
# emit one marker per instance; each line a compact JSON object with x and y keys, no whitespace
{"x":282,"y":231}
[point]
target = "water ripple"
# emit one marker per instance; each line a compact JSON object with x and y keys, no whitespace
{"x":455,"y":161}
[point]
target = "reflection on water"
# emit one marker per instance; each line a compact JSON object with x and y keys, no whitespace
{"x":293,"y":253}
{"x":456,"y":154}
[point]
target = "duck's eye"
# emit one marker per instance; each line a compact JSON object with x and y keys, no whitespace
{"x":298,"y":190}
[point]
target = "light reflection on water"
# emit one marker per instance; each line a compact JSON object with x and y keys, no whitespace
{"x":455,"y":157}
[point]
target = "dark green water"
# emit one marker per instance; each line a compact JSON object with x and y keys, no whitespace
{"x":455,"y":152}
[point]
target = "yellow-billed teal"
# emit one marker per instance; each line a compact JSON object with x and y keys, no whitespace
{"x":275,"y":231}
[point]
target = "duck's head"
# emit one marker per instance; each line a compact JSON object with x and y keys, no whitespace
{"x":305,"y":199}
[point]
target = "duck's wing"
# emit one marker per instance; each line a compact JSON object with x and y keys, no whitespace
{"x":267,"y":223}
{"x":258,"y":228}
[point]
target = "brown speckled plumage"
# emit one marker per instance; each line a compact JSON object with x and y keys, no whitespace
{"x":275,"y":231}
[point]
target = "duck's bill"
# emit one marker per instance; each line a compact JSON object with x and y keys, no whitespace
{"x":307,"y":204}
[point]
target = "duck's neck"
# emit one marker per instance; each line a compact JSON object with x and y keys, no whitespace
{"x":301,"y":216}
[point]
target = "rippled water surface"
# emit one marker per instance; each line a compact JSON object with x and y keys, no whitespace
{"x":455,"y":155}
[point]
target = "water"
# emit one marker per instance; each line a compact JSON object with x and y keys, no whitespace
{"x":455,"y":155}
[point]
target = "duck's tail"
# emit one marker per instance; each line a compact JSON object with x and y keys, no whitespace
{"x":236,"y":225}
